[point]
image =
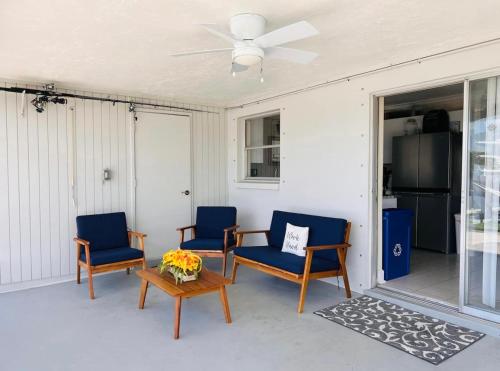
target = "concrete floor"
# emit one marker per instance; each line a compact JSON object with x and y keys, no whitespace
{"x":58,"y":328}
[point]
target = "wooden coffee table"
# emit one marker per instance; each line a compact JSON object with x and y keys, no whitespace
{"x":207,"y":282}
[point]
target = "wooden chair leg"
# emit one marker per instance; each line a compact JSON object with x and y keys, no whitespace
{"x":235,"y":268}
{"x":78,"y":272}
{"x":128,"y":270}
{"x":302,"y":298}
{"x":224,"y":261}
{"x":346,"y":284}
{"x":225,"y":304}
{"x":305,"y":281}
{"x":144,"y":265}
{"x":177,"y":318}
{"x":144,"y":291}
{"x":91,"y":284}
{"x":344,"y":274}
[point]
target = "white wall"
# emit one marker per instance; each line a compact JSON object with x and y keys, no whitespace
{"x":37,"y":214}
{"x":326,"y":147}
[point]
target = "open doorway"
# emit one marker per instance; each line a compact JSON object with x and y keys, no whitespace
{"x":422,"y":163}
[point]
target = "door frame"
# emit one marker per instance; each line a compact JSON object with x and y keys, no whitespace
{"x":376,"y":181}
{"x":133,"y":181}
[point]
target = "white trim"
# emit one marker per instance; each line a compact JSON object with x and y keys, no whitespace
{"x":133,"y":157}
{"x":376,"y":179}
{"x":481,"y":313}
{"x":245,"y":184}
{"x":380,"y":186}
{"x":26,"y":285}
{"x":262,"y":147}
{"x":462,"y":78}
{"x":243,"y":181}
{"x":160,"y":111}
{"x":463,"y":279}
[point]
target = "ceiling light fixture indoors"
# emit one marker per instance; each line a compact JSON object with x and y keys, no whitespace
{"x":251,"y":44}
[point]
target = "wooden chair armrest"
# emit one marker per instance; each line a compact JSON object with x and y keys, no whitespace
{"x":250,"y":232}
{"x":183,"y":229}
{"x":232,"y":228}
{"x":239,"y":235}
{"x":137,"y":234}
{"x":140,"y":238}
{"x":226,"y":234}
{"x":81,"y":241}
{"x":188,"y":227}
{"x":327,"y":247}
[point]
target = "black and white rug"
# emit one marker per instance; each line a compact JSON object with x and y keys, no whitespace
{"x":422,"y":336}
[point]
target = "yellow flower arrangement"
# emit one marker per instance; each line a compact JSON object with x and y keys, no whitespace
{"x":181,"y":263}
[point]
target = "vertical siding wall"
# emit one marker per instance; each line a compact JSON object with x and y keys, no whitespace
{"x":38,"y":204}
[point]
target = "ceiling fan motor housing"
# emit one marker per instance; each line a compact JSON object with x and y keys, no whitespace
{"x":247,"y":26}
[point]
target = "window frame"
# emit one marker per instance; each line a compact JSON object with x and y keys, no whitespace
{"x":243,"y":179}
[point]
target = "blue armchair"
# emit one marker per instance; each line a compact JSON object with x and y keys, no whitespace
{"x":106,"y":245}
{"x":213,"y":233}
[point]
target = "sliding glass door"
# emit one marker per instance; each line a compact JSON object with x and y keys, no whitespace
{"x":481,"y":230}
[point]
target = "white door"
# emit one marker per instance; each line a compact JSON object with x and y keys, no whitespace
{"x":163,"y":176}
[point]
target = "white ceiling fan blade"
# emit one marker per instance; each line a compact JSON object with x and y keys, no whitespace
{"x":292,"y":32}
{"x":238,"y":67}
{"x":217,"y":31}
{"x":201,"y":52}
{"x":289,"y":54}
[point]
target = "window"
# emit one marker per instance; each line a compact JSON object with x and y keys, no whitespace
{"x":262,"y":148}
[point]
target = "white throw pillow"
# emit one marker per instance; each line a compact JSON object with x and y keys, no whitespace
{"x":295,"y":240}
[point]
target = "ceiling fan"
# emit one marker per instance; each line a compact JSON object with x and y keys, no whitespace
{"x":251,"y":44}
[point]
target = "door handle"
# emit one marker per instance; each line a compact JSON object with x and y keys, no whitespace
{"x":186,"y":192}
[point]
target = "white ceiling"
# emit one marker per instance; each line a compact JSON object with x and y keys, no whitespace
{"x":123,"y":46}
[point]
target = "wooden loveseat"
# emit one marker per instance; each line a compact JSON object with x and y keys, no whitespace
{"x":326,"y":251}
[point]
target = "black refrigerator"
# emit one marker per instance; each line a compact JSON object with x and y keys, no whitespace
{"x":426,"y":178}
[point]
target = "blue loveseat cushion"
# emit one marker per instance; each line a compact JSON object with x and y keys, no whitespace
{"x":103,"y":231}
{"x":204,"y":244}
{"x":117,"y":254}
{"x":273,"y":256}
{"x":322,"y":231}
{"x":211,"y":221}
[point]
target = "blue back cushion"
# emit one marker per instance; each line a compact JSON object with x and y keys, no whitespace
{"x":322,"y":231}
{"x":103,"y":231}
{"x":211,"y":221}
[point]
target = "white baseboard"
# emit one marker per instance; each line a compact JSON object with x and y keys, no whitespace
{"x":18,"y":286}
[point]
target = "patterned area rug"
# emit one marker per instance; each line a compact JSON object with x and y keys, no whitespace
{"x":422,"y":336}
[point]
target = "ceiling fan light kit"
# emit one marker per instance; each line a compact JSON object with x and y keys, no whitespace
{"x":248,"y":55}
{"x":251,"y":44}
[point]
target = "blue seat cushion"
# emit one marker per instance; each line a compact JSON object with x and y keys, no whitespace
{"x":273,"y":256}
{"x":322,"y":231}
{"x":117,"y":254}
{"x":212,"y":220}
{"x":205,"y":244}
{"x":103,"y":231}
